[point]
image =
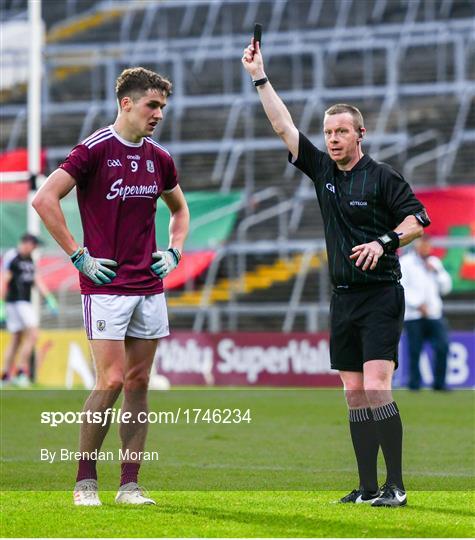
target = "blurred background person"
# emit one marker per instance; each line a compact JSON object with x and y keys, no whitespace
{"x":18,"y":277}
{"x":425,"y":280}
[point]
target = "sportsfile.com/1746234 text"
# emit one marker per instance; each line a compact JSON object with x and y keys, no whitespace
{"x":179,"y":416}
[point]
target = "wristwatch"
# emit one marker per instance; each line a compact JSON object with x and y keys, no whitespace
{"x":389,"y":241}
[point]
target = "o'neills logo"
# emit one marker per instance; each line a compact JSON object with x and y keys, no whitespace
{"x":125,"y":192}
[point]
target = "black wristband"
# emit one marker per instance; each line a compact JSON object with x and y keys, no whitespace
{"x":389,"y":241}
{"x":260,"y":82}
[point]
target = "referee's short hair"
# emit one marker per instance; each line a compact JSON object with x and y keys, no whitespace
{"x":340,"y":108}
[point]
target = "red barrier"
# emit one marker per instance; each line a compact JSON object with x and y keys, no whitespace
{"x":58,"y":272}
{"x":448,"y":207}
{"x":246,"y":359}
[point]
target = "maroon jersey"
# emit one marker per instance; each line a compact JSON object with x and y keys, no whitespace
{"x":118,"y":184}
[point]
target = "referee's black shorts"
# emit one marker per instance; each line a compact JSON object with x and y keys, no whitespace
{"x":365,"y":324}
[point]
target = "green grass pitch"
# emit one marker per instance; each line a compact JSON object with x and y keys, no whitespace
{"x":277,"y":476}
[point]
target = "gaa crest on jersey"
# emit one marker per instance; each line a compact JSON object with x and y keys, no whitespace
{"x":150,"y":166}
{"x":101,"y":325}
{"x":114,"y":163}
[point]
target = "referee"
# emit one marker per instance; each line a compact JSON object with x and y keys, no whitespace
{"x":368,"y":211}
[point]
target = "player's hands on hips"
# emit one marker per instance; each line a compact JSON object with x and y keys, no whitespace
{"x":252,"y":60}
{"x":95,"y":269}
{"x":367,"y":255}
{"x":166,"y":262}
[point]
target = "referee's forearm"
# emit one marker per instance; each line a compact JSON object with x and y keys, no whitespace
{"x":275,"y":109}
{"x":408,"y":230}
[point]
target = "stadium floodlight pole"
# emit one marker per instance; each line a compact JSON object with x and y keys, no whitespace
{"x":34,"y":107}
{"x":34,"y":131}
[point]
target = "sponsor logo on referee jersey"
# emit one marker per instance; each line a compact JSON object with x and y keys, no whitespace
{"x":117,"y":190}
{"x":358,"y":203}
{"x":330,"y":187}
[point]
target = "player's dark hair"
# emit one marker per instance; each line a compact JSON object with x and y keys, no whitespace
{"x":134,"y":82}
{"x":340,"y":108}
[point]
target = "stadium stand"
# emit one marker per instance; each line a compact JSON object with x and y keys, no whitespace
{"x":410,"y":67}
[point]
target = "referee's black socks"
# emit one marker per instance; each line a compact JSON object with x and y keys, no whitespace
{"x":389,"y":429}
{"x":366,"y":444}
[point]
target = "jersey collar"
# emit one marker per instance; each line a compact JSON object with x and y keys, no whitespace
{"x":123,"y":141}
{"x":362,"y":163}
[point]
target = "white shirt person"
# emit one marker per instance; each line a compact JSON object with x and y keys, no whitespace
{"x":425,"y":281}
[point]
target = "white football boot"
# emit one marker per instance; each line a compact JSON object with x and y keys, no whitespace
{"x":86,"y":493}
{"x":22,"y":381}
{"x":131,"y":493}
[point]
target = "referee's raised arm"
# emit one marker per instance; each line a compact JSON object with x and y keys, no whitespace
{"x":274,"y":107}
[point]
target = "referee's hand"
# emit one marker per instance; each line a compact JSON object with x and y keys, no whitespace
{"x":367,"y":255}
{"x":252,"y":60}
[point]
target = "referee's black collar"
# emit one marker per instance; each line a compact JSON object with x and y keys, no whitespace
{"x":362,"y":163}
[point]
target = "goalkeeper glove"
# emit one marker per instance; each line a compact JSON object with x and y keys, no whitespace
{"x":52,"y":304}
{"x":166,"y":261}
{"x":93,"y":268}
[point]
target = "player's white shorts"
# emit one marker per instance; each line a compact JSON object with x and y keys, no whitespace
{"x":20,"y":315}
{"x":113,"y":316}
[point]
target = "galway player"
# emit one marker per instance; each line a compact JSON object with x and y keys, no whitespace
{"x":120,"y":172}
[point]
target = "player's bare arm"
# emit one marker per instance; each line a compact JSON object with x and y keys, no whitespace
{"x":180,"y":217}
{"x":47,"y":203}
{"x":49,"y":297}
{"x":166,"y":261}
{"x":5,"y":278}
{"x":369,"y":254}
{"x":274,"y":107}
{"x":41,"y":286}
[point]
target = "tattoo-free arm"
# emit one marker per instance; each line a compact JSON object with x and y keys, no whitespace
{"x":47,"y":203}
{"x":274,"y":107}
{"x":369,"y":254}
{"x":408,"y":230}
{"x":180,"y":218}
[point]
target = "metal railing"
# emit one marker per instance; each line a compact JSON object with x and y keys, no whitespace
{"x":180,"y":52}
{"x":266,"y":310}
{"x":455,"y":38}
{"x":296,"y":305}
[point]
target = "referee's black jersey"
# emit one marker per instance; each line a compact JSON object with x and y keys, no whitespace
{"x":357,"y":206}
{"x":23,"y":276}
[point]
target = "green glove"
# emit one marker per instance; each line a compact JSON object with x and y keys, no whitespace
{"x":166,"y":261}
{"x":95,"y":269}
{"x":52,"y":304}
{"x":3,"y":314}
